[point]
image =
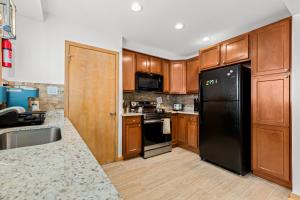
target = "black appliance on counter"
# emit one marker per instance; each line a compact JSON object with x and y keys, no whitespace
{"x":12,"y":117}
{"x":148,"y":82}
{"x":225,"y":122}
{"x":154,"y":141}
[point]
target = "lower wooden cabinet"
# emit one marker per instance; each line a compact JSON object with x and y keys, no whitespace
{"x":186,"y":129}
{"x":271,"y":153}
{"x":132,"y":136}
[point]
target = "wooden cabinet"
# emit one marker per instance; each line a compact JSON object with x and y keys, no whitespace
{"x":210,"y":57}
{"x":132,"y":137}
{"x":186,"y":129}
{"x":192,"y":75}
{"x":271,"y":153}
{"x":271,"y":100}
{"x":192,"y":132}
{"x":271,"y":46}
{"x":155,"y":65}
{"x":166,"y":74}
{"x":235,"y":50}
{"x":271,"y":137}
{"x":181,"y":129}
{"x":148,"y":64}
{"x":128,"y":71}
{"x":142,"y":63}
{"x":174,"y":120}
{"x":178,"y":77}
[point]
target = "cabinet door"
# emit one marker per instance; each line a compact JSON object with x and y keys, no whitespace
{"x":166,"y":74}
{"x":181,"y":129}
{"x":271,"y":157}
{"x":236,"y":49}
{"x":271,"y":100}
{"x":210,"y":57}
{"x":192,"y":132}
{"x":155,"y":65}
{"x":174,"y":122}
{"x":133,"y":138}
{"x":142,"y":63}
{"x":128,"y":71}
{"x":192,"y":75}
{"x":271,"y":48}
{"x":178,"y":77}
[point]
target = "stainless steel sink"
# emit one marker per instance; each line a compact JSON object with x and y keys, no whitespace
{"x":16,"y":139}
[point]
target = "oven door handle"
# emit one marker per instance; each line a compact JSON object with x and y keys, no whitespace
{"x":153,"y":121}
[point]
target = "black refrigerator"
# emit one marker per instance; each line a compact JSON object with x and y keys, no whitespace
{"x":225,"y":117}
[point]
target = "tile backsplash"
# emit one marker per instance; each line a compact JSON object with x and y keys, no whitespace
{"x":48,"y":102}
{"x":168,"y":99}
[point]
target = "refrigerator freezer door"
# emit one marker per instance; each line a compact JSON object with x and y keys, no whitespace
{"x":220,"y":134}
{"x":220,"y":84}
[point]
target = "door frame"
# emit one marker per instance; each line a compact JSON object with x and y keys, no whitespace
{"x":68,"y":44}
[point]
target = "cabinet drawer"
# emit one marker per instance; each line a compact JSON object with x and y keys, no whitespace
{"x":132,"y":120}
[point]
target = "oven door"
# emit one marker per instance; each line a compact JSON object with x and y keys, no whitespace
{"x":149,"y":82}
{"x":153,"y":136}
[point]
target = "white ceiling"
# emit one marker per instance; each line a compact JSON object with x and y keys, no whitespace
{"x":154,"y":26}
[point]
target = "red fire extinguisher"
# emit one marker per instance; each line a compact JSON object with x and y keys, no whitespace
{"x":6,"y":53}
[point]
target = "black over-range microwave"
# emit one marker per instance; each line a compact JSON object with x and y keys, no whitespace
{"x":148,"y":82}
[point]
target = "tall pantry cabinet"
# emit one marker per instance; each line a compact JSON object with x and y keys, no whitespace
{"x":271,"y":135}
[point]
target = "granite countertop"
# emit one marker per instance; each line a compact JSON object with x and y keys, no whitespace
{"x":185,"y":112}
{"x":132,"y":114}
{"x":168,"y":111}
{"x":65,"y":169}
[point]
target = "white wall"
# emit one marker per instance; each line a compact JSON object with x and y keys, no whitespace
{"x":40,"y":52}
{"x":40,"y":48}
{"x":296,"y":104}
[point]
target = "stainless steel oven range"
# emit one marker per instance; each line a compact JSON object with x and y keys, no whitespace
{"x":155,"y":139}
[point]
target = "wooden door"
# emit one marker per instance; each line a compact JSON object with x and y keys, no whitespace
{"x":235,"y":50}
{"x":271,"y":100}
{"x":128,"y":71}
{"x":210,"y":57}
{"x":271,"y":157}
{"x":178,"y":77}
{"x":155,"y":65}
{"x":142,"y":63}
{"x":181,"y":129}
{"x":91,"y":97}
{"x":271,"y":48}
{"x":166,"y":74}
{"x":174,"y":121}
{"x":192,"y":132}
{"x":192,"y":75}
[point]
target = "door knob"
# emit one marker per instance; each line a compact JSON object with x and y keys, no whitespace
{"x":112,"y":114}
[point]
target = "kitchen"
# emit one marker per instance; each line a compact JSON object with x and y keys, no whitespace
{"x":133,"y":121}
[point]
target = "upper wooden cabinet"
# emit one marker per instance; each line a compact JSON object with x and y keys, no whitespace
{"x":166,"y":74}
{"x":142,"y":63}
{"x":271,"y":100}
{"x":235,"y":50}
{"x":155,"y":65}
{"x":132,"y":136}
{"x":192,"y":75}
{"x":271,"y":48}
{"x":178,"y":77}
{"x":128,"y":71}
{"x":210,"y":57}
{"x":148,"y":64}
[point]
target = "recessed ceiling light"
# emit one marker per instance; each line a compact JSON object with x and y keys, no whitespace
{"x":136,"y":7}
{"x":205,"y":39}
{"x":179,"y":26}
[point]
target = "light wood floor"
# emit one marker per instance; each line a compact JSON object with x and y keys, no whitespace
{"x":182,"y":175}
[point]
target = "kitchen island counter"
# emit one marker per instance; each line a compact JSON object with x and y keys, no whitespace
{"x":65,"y":169}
